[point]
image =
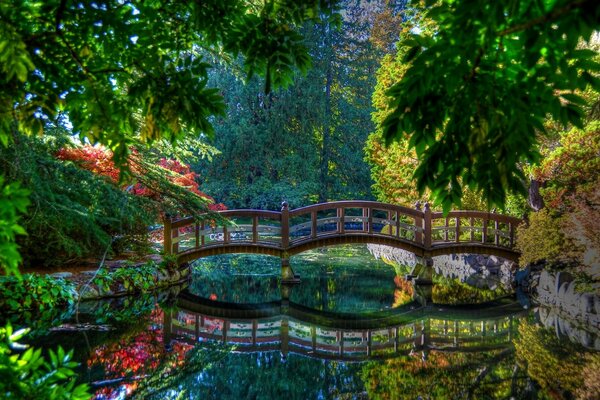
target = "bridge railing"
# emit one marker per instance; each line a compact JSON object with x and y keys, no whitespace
{"x":473,"y":227}
{"x":424,"y":229}
{"x":246,"y":226}
{"x":355,"y":217}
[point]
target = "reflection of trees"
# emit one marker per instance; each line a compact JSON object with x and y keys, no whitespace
{"x":267,"y":376}
{"x":333,"y":280}
{"x":490,"y":375}
{"x":559,"y":366}
{"x":132,"y":357}
{"x":452,"y":291}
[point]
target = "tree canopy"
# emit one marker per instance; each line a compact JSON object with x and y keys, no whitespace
{"x":128,"y":71}
{"x":481,"y":85}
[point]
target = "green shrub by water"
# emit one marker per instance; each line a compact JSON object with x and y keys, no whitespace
{"x":29,"y":375}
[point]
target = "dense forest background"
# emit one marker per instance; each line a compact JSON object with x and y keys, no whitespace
{"x":187,"y":119}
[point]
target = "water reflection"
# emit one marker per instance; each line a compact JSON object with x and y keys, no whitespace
{"x":354,"y":328}
{"x":344,"y":337}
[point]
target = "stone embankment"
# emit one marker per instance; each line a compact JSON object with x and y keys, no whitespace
{"x":561,"y":307}
{"x":96,"y":285}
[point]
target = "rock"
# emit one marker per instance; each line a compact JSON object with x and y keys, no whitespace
{"x":63,"y":275}
{"x":88,"y":292}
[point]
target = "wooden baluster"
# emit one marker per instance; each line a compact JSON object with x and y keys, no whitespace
{"x":341,"y":217}
{"x":167,"y":236}
{"x":511,"y":234}
{"x":457,"y":229}
{"x":225,"y":330}
{"x":255,"y":229}
{"x":314,"y":226}
{"x":197,"y":229}
{"x":370,"y":221}
{"x":471,"y":229}
{"x":397,"y":224}
{"x":175,"y":233}
{"x":484,"y":234}
{"x":497,"y":233}
{"x":225,"y":235}
{"x":365,"y":214}
{"x":446,"y":230}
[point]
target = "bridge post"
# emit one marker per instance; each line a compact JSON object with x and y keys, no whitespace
{"x":167,"y":235}
{"x":284,"y":338}
{"x":418,"y":224}
{"x":285,"y":226}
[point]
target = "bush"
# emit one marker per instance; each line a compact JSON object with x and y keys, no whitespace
{"x":35,"y":300}
{"x":29,"y":375}
{"x":542,"y":239}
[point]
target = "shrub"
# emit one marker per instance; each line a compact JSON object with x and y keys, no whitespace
{"x":35,"y":300}
{"x":542,"y":239}
{"x":29,"y":375}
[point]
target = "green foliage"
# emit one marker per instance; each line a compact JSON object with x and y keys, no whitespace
{"x":572,"y":167}
{"x":132,"y":279}
{"x":133,"y":72}
{"x":13,"y":201}
{"x":480,"y":87}
{"x":541,"y":239}
{"x":74,"y":213}
{"x":28,"y":375}
{"x":34,"y":295}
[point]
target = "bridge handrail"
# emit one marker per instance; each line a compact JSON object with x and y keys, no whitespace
{"x":478,"y":214}
{"x":355,"y":204}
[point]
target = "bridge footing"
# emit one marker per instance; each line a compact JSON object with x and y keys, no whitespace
{"x":287,"y":273}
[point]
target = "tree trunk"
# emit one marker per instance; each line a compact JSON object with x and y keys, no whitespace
{"x":535,"y":200}
{"x":326,"y":149}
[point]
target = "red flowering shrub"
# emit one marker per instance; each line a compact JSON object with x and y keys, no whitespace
{"x":94,"y":159}
{"x":99,"y":161}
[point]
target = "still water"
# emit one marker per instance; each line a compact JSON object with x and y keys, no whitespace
{"x":354,"y":328}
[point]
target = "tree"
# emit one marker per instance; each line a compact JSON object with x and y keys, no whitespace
{"x":481,"y":85}
{"x":120,"y":72}
{"x":302,"y":144}
{"x":128,"y":72}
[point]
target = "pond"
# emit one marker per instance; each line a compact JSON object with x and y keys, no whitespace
{"x":353,"y":328}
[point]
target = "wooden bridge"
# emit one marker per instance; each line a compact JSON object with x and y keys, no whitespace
{"x":288,"y":232}
{"x":288,"y":327}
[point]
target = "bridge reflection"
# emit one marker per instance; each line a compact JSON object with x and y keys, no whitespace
{"x":288,"y":327}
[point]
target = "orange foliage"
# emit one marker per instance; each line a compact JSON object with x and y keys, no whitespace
{"x":99,"y":161}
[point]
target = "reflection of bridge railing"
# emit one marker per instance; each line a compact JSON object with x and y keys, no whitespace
{"x":422,"y":232}
{"x":424,"y":329}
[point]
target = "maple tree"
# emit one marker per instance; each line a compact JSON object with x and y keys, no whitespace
{"x":100,"y":161}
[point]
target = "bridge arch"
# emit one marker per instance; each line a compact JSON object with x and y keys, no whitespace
{"x":288,"y":232}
